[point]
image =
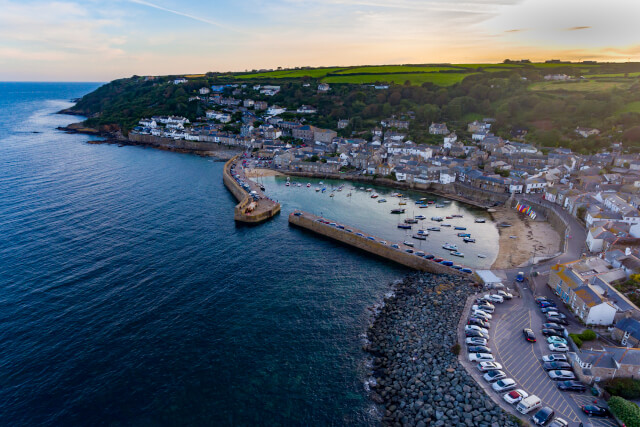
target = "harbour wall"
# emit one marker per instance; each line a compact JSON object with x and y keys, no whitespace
{"x":180,"y":145}
{"x":548,"y":214}
{"x":309,"y":222}
{"x":244,"y":199}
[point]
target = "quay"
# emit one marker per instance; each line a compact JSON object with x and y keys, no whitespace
{"x":368,"y":243}
{"x":253,"y":207}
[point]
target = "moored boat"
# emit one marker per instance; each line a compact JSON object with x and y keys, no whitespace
{"x":382,"y":200}
{"x":419,"y":237}
{"x":404,"y":226}
{"x":410,"y":221}
{"x":464,"y":235}
{"x":459,"y":228}
{"x":439,"y":206}
{"x":374,"y":195}
{"x":456,"y":253}
{"x":446,"y":225}
{"x":469,"y":240}
{"x":480,"y":220}
{"x":308,"y":185}
{"x":410,"y":244}
{"x":457,"y":216}
{"x":433,"y":228}
{"x":436,"y":218}
{"x":481,"y":256}
{"x":397,"y":211}
{"x":450,"y":247}
{"x":420,"y":217}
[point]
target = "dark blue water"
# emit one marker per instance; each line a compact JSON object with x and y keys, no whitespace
{"x":129,"y":297}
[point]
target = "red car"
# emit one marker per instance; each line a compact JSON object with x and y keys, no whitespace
{"x":438,"y":260}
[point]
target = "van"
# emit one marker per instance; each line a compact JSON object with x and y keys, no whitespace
{"x":529,"y":404}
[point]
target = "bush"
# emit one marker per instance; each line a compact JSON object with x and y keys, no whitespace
{"x":455,"y":349}
{"x":627,"y":388}
{"x":627,"y":412}
{"x":576,"y":339}
{"x":587,"y":335}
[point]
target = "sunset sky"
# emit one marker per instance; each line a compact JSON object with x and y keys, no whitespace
{"x":102,"y":40}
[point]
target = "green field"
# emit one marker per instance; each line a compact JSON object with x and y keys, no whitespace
{"x":290,"y":74}
{"x":554,"y":65}
{"x":613,"y":75}
{"x":580,"y":86}
{"x":487,"y":65}
{"x":440,"y":79}
{"x":632,"y":107}
{"x":390,"y":69}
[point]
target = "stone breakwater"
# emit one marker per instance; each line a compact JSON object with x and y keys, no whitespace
{"x":416,"y":374}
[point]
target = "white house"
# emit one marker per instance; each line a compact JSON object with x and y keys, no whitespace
{"x":450,"y":139}
{"x":596,"y":238}
{"x":148,"y":123}
{"x":180,"y":81}
{"x":204,"y":90}
{"x":447,"y":176}
{"x":274,"y":110}
{"x":323,"y":87}
{"x":306,"y":109}
{"x":535,"y":185}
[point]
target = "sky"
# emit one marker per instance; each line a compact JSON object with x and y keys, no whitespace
{"x":101,"y":40}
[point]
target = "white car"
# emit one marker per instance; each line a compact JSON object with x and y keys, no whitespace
{"x":476,"y":341}
{"x":492,"y":376}
{"x":554,"y":358}
{"x":558,"y":422}
{"x":481,"y":314}
{"x":504,"y":385}
{"x":560,"y":348}
{"x":488,"y":366}
{"x":475,"y":328}
{"x":515,"y":396}
{"x":481,"y":357}
{"x":505,"y":295}
{"x":494,"y":298}
{"x":561,"y":375}
{"x":486,"y":308}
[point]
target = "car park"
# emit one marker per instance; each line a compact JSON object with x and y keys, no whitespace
{"x":547,"y":332}
{"x":561,"y":375}
{"x":476,"y":341}
{"x":477,"y":334}
{"x":478,"y":349}
{"x":558,"y":422}
{"x":488,"y":366}
{"x":515,"y":396}
{"x":475,"y":328}
{"x":481,"y":357}
{"x":571,"y":385}
{"x":595,"y":411}
{"x":504,"y":385}
{"x":554,"y":366}
{"x":492,"y":376}
{"x":556,"y":340}
{"x":560,"y":348}
{"x":543,"y":416}
{"x":529,"y":335}
{"x":554,"y":358}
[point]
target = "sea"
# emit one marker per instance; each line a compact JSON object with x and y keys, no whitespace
{"x":129,"y":297}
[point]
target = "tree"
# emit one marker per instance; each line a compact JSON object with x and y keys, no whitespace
{"x":627,"y":412}
{"x":581,"y":212}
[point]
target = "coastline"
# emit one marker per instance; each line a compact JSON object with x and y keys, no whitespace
{"x":416,"y":377}
{"x":261,"y":172}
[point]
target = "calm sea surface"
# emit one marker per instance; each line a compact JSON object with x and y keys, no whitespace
{"x":129,"y":297}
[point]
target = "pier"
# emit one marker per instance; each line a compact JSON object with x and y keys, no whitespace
{"x":250,"y":209}
{"x":368,"y":243}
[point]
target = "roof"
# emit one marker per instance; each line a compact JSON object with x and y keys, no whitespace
{"x":630,"y":325}
{"x":608,"y":357}
{"x":588,"y":296}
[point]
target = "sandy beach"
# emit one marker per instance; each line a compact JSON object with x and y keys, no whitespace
{"x":257,"y":172}
{"x":529,"y":235}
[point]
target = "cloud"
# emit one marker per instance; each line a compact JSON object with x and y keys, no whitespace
{"x":585,"y":27}
{"x":184,"y":15}
{"x":516,"y":30}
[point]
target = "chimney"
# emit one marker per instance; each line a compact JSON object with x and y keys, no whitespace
{"x":627,"y":251}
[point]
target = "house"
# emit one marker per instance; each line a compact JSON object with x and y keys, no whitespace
{"x":323,"y":88}
{"x":179,"y":81}
{"x":450,"y":139}
{"x":627,"y":332}
{"x":534,"y":185}
{"x":557,"y":77}
{"x":274,"y":110}
{"x":204,"y":90}
{"x":306,"y":109}
{"x":248,"y":103}
{"x":395,"y":123}
{"x":586,"y":132}
{"x":343,"y":123}
{"x":438,"y":129}
{"x":447,"y":176}
{"x":260,"y":105}
{"x":605,"y":363}
{"x":269,"y":90}
{"x":596,"y":238}
{"x":477,"y":126}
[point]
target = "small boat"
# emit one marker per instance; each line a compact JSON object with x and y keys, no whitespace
{"x":450,"y":247}
{"x":324,"y":189}
{"x":464,"y":235}
{"x":299,"y":185}
{"x":423,"y":232}
{"x":402,"y":202}
{"x":430,"y":202}
{"x":404,"y":226}
{"x":308,"y":185}
{"x":287,"y":184}
{"x":446,"y":202}
{"x":382,"y":201}
{"x":317,"y":189}
{"x":374,"y":195}
{"x":321,"y":183}
{"x":410,"y":244}
{"x":419,"y":237}
{"x":456,"y":253}
{"x":481,"y":256}
{"x":331,"y":195}
{"x":399,"y":195}
{"x":504,"y":225}
{"x":459,"y":228}
{"x":457,"y":216}
{"x":410,"y":221}
{"x":397,"y":211}
{"x":445,"y":225}
{"x":420,"y":217}
{"x":469,"y":240}
{"x":262,"y":188}
{"x":448,"y":217}
{"x":436,"y":218}
{"x":480,"y":220}
{"x":339,"y":189}
{"x":422,"y":199}
{"x":423,"y":206}
{"x":288,"y":178}
{"x":369,"y":190}
{"x":433,"y":228}
{"x":394,"y":194}
{"x":361,"y":188}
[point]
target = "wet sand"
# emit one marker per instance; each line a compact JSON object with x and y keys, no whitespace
{"x":255,"y":173}
{"x":529,"y":235}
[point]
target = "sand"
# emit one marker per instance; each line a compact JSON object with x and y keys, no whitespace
{"x":255,"y":173}
{"x":530,"y":235}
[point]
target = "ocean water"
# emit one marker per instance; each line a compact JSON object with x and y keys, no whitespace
{"x":128,"y":296}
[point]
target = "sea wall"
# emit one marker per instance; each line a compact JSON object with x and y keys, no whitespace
{"x":197,"y":147}
{"x":310,"y":223}
{"x":548,"y":214}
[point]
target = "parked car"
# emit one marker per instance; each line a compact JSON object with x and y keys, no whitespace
{"x":558,"y":320}
{"x":552,"y":310}
{"x":543,"y":416}
{"x":505,"y":294}
{"x":478,"y":349}
{"x":492,"y":376}
{"x":556,"y":340}
{"x":561,"y":348}
{"x":478,"y":322}
{"x":504,"y":385}
{"x":494,"y":298}
{"x":476,"y":341}
{"x":561,"y":375}
{"x":481,"y":314}
{"x":595,"y":410}
{"x":484,"y":307}
{"x":558,"y":422}
{"x":546,"y":304}
{"x":529,"y":335}
{"x":547,"y":332}
{"x":515,"y":396}
{"x":540,"y":299}
{"x":553,"y":366}
{"x":481,"y":357}
{"x":571,"y":385}
{"x":489,"y":366}
{"x":554,"y":358}
{"x":475,"y":334}
{"x":475,"y":328}
{"x":553,"y":326}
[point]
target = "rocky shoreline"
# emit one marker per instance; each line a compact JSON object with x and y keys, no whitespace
{"x":416,"y":376}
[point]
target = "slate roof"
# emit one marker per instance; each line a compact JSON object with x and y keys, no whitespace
{"x":630,"y":325}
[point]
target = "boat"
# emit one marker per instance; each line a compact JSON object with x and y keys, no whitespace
{"x":299,"y":185}
{"x":402,"y":202}
{"x":469,"y":240}
{"x":421,"y":231}
{"x":369,"y":190}
{"x":430,"y":202}
{"x":436,"y":218}
{"x":459,"y":228}
{"x":445,"y":225}
{"x":382,"y":201}
{"x":374,"y":195}
{"x":448,"y":217}
{"x":446,"y":202}
{"x":394,"y":194}
{"x":450,"y":247}
{"x":481,"y":256}
{"x":422,"y":199}
{"x":410,"y":221}
{"x":324,"y":189}
{"x":397,"y":211}
{"x":504,"y":225}
{"x":339,"y":189}
{"x":410,"y":244}
{"x":317,"y":189}
{"x":464,"y":235}
{"x":423,"y":206}
{"x":457,"y":216}
{"x":404,"y":226}
{"x":433,"y":228}
{"x":349,"y":195}
{"x":331,"y":195}
{"x":439,"y":206}
{"x":456,"y":253}
{"x":321,"y":183}
{"x":287,"y":184}
{"x":308,"y":185}
{"x":420,"y":217}
{"x":361,"y":188}
{"x":419,"y":236}
{"x":480,"y":220}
